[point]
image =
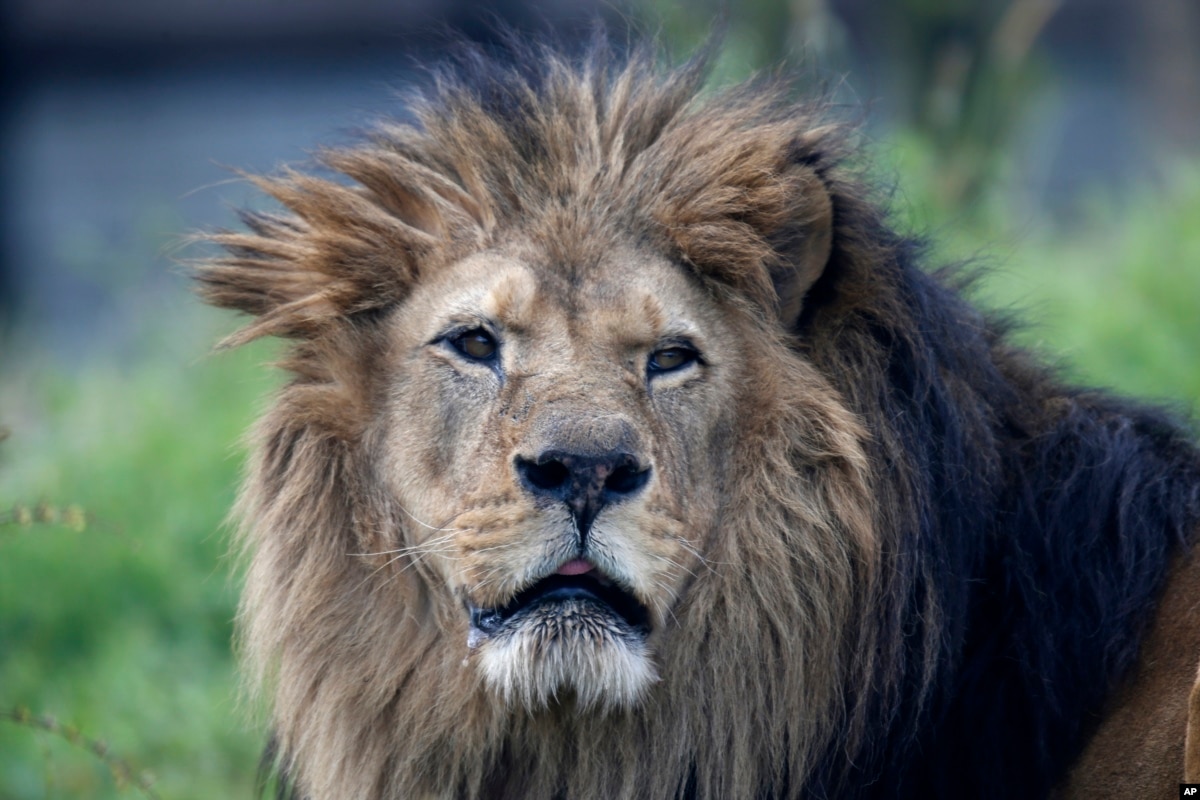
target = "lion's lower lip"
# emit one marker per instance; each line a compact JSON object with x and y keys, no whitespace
{"x":565,"y":590}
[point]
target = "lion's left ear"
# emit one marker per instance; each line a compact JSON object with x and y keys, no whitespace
{"x":803,"y":244}
{"x":745,"y":205}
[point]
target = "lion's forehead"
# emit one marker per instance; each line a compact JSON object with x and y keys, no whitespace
{"x":631,"y":300}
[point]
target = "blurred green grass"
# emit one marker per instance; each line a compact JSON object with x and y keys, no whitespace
{"x":1112,"y":295}
{"x":123,"y":628}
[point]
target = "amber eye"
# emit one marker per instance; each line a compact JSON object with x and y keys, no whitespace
{"x":671,"y":358}
{"x":476,"y":344}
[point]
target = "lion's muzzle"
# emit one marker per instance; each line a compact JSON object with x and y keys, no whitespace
{"x":576,"y":632}
{"x":591,"y":599}
{"x":586,"y":483}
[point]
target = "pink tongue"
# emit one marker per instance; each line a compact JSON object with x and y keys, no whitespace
{"x":576,"y":567}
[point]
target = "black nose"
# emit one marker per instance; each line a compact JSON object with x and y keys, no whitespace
{"x":586,"y":483}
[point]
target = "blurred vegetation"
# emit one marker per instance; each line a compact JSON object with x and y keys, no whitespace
{"x":1111,"y":298}
{"x":116,"y":595}
{"x":116,"y":612}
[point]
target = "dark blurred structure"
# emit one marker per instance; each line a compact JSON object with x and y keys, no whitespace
{"x":1052,"y":98}
{"x":1081,"y":93}
{"x":121,"y":120}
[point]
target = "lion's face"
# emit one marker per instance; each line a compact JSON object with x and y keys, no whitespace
{"x":550,"y":437}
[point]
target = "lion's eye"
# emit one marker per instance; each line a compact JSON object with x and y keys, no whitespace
{"x":671,"y":358}
{"x":476,"y":344}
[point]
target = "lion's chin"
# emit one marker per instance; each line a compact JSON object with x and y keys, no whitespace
{"x":574,"y":649}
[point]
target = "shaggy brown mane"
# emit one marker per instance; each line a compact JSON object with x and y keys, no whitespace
{"x":713,"y":181}
{"x":918,"y":530}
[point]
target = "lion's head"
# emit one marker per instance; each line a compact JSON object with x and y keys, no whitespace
{"x":552,"y":494}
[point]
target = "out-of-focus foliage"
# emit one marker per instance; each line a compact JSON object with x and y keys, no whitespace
{"x":959,"y":75}
{"x":963,"y":74}
{"x":118,"y":625}
{"x":1112,"y":297}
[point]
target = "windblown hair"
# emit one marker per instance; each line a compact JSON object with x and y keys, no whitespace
{"x":931,"y":538}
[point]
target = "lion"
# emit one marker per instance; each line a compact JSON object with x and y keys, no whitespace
{"x":628,"y":452}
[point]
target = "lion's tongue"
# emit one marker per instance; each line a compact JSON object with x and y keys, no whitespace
{"x":576,"y":567}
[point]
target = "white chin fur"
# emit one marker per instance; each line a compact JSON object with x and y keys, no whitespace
{"x":538,"y":661}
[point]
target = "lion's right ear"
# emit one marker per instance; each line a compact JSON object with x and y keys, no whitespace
{"x":804,"y":244}
{"x":337,"y":249}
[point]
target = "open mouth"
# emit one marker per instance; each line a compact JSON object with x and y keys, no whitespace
{"x":593,"y":591}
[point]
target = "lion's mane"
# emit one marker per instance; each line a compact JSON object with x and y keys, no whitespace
{"x":937,"y":540}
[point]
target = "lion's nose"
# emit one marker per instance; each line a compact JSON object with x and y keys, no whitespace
{"x":586,"y":483}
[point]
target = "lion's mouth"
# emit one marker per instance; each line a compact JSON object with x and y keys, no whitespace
{"x":559,"y":594}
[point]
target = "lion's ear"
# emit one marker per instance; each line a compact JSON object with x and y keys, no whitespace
{"x":747,"y":207}
{"x":804,"y":246}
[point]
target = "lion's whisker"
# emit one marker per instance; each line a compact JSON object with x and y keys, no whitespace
{"x":430,"y":546}
{"x":703,"y":559}
{"x":421,"y":522}
{"x":375,"y":572}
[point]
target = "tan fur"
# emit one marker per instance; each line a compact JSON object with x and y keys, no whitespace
{"x":1138,"y":750}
